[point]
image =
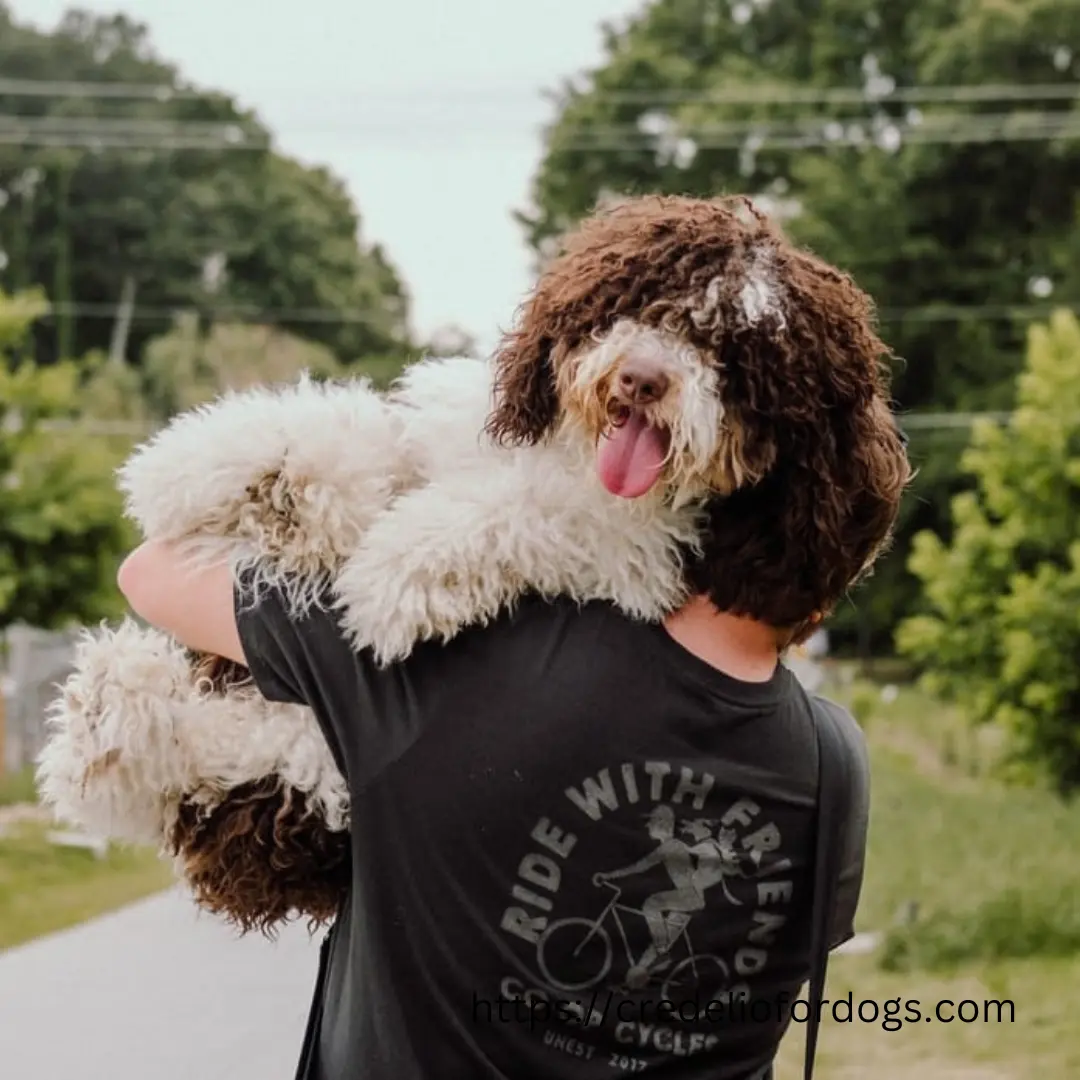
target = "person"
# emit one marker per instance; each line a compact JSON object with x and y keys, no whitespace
{"x":492,"y":779}
{"x":685,"y":873}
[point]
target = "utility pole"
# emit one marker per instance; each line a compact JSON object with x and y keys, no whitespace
{"x":122,"y":327}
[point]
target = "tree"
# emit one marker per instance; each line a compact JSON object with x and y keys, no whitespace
{"x":925,"y":226}
{"x":1001,"y":633}
{"x":62,"y":530}
{"x":177,"y":202}
{"x":185,"y":368}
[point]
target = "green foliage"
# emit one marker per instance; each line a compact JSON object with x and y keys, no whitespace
{"x":186,"y":367}
{"x":863,"y":700}
{"x":227,"y":226}
{"x":61,"y":525}
{"x":1000,"y":634}
{"x":1014,"y":924}
{"x":924,"y":226}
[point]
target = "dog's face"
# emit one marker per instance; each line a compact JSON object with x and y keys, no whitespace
{"x":704,"y":356}
{"x":652,"y":405}
{"x":664,"y":333}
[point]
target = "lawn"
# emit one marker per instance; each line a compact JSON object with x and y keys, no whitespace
{"x":17,"y":787}
{"x":978,"y":887}
{"x":45,"y":887}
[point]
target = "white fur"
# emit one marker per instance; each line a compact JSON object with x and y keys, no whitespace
{"x":132,"y":709}
{"x":420,"y":523}
{"x":336,"y":450}
{"x":760,"y":296}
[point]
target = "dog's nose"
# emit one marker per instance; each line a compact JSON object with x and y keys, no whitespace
{"x":641,"y":384}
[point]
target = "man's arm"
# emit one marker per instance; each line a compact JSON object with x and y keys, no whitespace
{"x":195,"y":606}
{"x":856,"y":833}
{"x":646,"y":862}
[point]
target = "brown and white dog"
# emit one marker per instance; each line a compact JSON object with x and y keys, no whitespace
{"x":687,"y":402}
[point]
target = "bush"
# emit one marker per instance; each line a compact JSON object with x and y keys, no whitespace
{"x":1012,"y":925}
{"x":1000,"y":636}
{"x":62,"y":528}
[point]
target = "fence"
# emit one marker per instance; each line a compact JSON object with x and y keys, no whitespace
{"x":32,"y":662}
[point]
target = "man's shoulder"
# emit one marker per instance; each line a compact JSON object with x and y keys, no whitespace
{"x":844,"y":720}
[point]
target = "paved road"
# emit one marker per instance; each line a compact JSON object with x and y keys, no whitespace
{"x":155,"y":992}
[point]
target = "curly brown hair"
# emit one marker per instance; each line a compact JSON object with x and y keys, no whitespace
{"x":804,"y":388}
{"x":261,"y":856}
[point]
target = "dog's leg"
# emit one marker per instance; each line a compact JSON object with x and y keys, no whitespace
{"x":290,"y":476}
{"x":113,"y":760}
{"x":136,"y":729}
{"x":456,"y":554}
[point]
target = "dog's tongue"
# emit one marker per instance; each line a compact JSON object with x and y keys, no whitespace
{"x":629,"y":458}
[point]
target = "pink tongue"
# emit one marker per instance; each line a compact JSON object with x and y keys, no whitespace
{"x":629,"y":458}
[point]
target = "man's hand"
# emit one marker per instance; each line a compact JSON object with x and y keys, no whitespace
{"x":195,"y":606}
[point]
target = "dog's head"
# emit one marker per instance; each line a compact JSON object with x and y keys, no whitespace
{"x":705,"y":357}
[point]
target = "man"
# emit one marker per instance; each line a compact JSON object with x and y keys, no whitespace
{"x":492,"y":779}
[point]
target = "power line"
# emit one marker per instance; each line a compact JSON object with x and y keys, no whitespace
{"x":931,"y":313}
{"x":743,"y":95}
{"x":90,"y":310}
{"x":809,"y":133}
{"x":889,"y":141}
{"x":127,"y":132}
{"x":49,"y":88}
{"x":95,"y":141}
{"x":891,"y":138}
{"x":766,"y":95}
{"x":926,"y":313}
{"x":650,"y":126}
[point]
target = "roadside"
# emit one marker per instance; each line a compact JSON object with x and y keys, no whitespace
{"x":51,"y":879}
{"x":156,"y":991}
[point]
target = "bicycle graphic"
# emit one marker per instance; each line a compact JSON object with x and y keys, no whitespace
{"x":571,"y":938}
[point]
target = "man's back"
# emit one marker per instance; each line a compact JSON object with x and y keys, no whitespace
{"x":578,"y":850}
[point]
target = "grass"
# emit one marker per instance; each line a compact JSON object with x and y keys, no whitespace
{"x":17,"y":787}
{"x":993,"y":875}
{"x":45,"y":887}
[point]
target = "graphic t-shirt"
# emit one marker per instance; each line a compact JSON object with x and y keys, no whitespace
{"x":578,"y":850}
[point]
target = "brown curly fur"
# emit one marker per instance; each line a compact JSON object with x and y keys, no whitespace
{"x":808,"y":399}
{"x":260,"y":857}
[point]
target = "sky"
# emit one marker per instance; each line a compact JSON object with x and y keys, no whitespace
{"x":430,"y":110}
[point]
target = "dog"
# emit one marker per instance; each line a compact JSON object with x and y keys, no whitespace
{"x":663,"y":391}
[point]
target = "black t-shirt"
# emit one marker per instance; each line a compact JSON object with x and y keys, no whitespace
{"x":570,"y":836}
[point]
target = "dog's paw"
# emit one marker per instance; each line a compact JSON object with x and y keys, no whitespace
{"x":111,"y":759}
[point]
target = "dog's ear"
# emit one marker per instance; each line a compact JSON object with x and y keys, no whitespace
{"x":526,"y":398}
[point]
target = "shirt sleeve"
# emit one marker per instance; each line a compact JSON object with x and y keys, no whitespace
{"x":851,"y":876}
{"x":367,"y":713}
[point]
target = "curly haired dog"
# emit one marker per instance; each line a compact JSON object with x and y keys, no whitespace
{"x":687,"y":402}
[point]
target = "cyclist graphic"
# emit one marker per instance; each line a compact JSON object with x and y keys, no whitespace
{"x":692,"y":870}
